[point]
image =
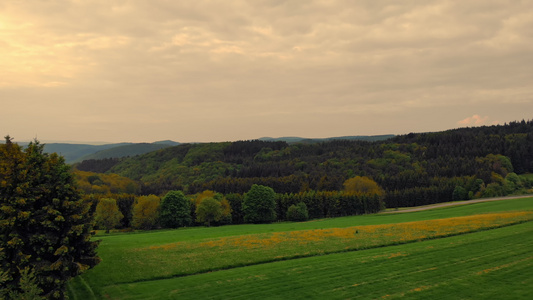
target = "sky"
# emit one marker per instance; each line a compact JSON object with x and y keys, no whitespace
{"x":209,"y":71}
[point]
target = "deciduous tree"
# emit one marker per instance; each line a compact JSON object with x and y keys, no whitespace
{"x":298,"y":212}
{"x":459,"y":193}
{"x":175,"y":210}
{"x":208,"y":211}
{"x":259,"y":205}
{"x":362,"y":185}
{"x":108,"y":215}
{"x":145,"y":212}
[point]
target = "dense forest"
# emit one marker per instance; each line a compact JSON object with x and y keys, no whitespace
{"x":413,"y":169}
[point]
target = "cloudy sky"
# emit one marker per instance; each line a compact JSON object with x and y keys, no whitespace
{"x":199,"y":71}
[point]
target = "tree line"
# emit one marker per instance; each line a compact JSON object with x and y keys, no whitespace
{"x":260,"y":204}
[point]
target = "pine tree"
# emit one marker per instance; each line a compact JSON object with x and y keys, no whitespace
{"x":45,"y":226}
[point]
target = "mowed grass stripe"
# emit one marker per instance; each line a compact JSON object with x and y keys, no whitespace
{"x":452,"y":267}
{"x":187,"y":258}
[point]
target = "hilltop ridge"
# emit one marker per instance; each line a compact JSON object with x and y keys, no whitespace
{"x":413,"y":169}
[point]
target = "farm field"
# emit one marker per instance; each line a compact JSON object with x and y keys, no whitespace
{"x":405,"y":255}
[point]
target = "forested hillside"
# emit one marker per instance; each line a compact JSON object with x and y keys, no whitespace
{"x":413,"y":169}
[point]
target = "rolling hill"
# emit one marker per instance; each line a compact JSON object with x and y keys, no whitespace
{"x":292,"y":140}
{"x":78,"y":152}
{"x":127,"y":150}
{"x":413,"y":169}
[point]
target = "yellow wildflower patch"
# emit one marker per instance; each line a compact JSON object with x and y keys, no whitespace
{"x":191,"y":257}
{"x":401,"y":232}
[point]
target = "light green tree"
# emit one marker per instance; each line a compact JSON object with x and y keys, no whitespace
{"x":145,"y":212}
{"x":108,"y":215}
{"x":208,"y":211}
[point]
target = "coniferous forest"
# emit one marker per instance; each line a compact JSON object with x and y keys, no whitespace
{"x":410,"y":170}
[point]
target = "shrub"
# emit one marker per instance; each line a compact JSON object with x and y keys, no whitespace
{"x":298,"y":212}
{"x":459,"y":193}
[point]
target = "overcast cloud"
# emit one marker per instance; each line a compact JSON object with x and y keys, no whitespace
{"x":228,"y":70}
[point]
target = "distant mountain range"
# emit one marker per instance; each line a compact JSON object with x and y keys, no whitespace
{"x":74,"y":153}
{"x":290,"y":140}
{"x":79,"y":152}
{"x":127,"y":150}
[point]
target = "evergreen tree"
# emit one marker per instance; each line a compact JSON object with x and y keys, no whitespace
{"x":45,"y":226}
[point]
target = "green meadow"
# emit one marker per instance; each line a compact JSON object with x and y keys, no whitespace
{"x":480,"y":250}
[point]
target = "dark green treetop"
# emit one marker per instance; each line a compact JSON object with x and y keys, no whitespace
{"x":45,"y":226}
{"x":259,"y":205}
{"x":175,"y":210}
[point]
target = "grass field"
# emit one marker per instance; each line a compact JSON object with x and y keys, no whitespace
{"x":405,"y":255}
